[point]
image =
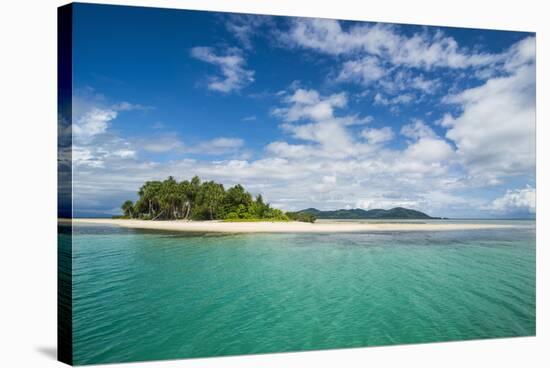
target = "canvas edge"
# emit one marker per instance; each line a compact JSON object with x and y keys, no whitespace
{"x":64,"y":185}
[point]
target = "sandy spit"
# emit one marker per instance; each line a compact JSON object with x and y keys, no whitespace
{"x":282,"y":227}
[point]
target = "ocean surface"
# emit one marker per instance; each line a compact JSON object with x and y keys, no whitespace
{"x":142,"y":295}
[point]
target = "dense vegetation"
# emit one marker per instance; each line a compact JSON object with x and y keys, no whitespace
{"x":357,"y":213}
{"x":196,"y":200}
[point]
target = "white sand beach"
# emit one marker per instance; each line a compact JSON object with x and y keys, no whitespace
{"x":285,"y":227}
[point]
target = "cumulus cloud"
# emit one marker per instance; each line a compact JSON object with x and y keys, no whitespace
{"x":93,"y":117}
{"x":320,"y":123}
{"x":376,"y":136}
{"x":309,"y":104}
{"x":427,"y":146}
{"x":515,"y":201}
{"x":92,"y":122}
{"x":495,"y":131}
{"x":233,"y":77}
{"x":417,"y":129}
{"x":365,"y":70}
{"x":430,"y":150}
{"x":92,"y":114}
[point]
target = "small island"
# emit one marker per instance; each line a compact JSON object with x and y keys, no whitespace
{"x":197,"y":200}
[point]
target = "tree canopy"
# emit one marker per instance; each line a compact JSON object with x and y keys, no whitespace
{"x":197,"y":200}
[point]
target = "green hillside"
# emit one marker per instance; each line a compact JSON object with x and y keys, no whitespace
{"x":359,"y":214}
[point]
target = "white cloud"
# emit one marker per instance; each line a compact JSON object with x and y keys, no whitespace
{"x":244,"y":27}
{"x":125,"y":153}
{"x":379,"y":99}
{"x":377,"y":136}
{"x":173,"y":144}
{"x":417,"y":129}
{"x":93,"y":143}
{"x":383,"y":55}
{"x":286,"y":150}
{"x":365,"y":70}
{"x":427,"y":146}
{"x":520,"y":54}
{"x":161,"y":144}
{"x":82,"y":156}
{"x":92,"y":115}
{"x":495,"y":132}
{"x":403,"y":79}
{"x":430,"y":150}
{"x":326,"y":185}
{"x":422,"y":84}
{"x":218,"y":145}
{"x":232,"y":67}
{"x":422,"y":50}
{"x":127,"y":106}
{"x":93,"y":122}
{"x":102,"y":151}
{"x":97,"y":147}
{"x":516,"y":200}
{"x":446,"y":121}
{"x":384,"y":203}
{"x":321,"y":125}
{"x":309,"y":104}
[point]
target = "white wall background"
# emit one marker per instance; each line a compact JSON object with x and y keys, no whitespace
{"x":28,"y":181}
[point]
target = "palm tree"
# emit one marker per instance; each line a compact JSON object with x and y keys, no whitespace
{"x":128,"y":209}
{"x":211,"y":196}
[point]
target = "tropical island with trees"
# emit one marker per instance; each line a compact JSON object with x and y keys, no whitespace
{"x":203,"y":200}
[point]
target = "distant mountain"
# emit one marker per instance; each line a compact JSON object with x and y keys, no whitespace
{"x":359,"y":214}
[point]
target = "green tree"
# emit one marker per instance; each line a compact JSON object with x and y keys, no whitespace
{"x":149,"y":194}
{"x":168,"y":199}
{"x":236,"y":196}
{"x":128,"y":209}
{"x":210,"y":198}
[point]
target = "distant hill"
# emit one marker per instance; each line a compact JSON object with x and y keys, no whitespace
{"x":359,"y":214}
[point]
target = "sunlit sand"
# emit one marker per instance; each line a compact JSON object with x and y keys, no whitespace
{"x":284,"y":227}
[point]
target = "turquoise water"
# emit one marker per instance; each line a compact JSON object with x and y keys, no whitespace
{"x":155,"y":295}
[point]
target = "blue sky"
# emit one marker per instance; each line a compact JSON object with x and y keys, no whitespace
{"x":308,"y":112}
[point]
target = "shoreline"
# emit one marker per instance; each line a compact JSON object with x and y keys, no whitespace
{"x":279,"y":227}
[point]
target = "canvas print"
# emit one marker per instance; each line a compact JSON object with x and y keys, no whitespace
{"x":240,"y":184}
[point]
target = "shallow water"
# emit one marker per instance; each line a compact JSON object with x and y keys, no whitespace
{"x":156,"y":295}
